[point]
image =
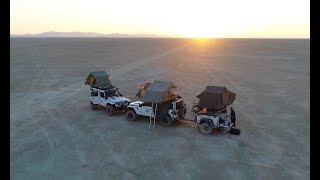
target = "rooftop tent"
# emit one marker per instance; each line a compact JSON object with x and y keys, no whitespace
{"x":216,"y":97}
{"x":142,"y":90}
{"x":98,"y":78}
{"x":160,"y":91}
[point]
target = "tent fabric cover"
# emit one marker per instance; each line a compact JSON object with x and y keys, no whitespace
{"x":143,"y":89}
{"x":216,"y":97}
{"x":163,"y":109}
{"x":98,"y":78}
{"x":160,"y":91}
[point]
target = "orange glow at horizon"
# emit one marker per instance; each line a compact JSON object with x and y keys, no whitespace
{"x":192,"y":19}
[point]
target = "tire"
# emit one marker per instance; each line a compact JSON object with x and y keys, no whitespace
{"x":205,"y":128}
{"x":93,"y":106}
{"x":166,"y":121}
{"x":109,"y":110}
{"x":131,"y":115}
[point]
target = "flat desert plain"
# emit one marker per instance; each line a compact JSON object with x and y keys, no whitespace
{"x":54,"y":134}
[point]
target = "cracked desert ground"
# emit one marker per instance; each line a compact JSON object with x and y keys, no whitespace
{"x":54,"y":134}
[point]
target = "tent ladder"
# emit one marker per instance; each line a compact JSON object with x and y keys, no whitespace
{"x":153,"y":119}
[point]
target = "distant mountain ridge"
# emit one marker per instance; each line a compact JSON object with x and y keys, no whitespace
{"x":88,"y":34}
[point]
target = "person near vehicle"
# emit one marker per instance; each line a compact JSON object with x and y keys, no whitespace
{"x":233,"y":117}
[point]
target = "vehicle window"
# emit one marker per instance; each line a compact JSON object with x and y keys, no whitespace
{"x":102,"y":94}
{"x":111,"y":93}
{"x":94,"y":93}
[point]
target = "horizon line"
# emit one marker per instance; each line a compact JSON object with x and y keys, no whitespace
{"x":136,"y":35}
{"x":165,"y":37}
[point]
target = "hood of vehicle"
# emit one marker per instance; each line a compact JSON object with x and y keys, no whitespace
{"x":119,"y":99}
{"x":136,"y":103}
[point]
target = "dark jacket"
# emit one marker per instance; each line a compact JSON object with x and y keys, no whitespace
{"x":233,"y":116}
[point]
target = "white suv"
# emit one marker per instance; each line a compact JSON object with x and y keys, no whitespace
{"x":167,"y":112}
{"x":108,"y":97}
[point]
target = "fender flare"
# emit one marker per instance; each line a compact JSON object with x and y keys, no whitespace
{"x":207,"y":120}
{"x":130,"y":108}
{"x":109,"y":104}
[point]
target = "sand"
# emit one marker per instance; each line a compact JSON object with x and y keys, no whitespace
{"x":54,"y":134}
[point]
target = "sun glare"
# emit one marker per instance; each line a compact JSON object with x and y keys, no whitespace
{"x":203,"y":44}
{"x":202,"y":40}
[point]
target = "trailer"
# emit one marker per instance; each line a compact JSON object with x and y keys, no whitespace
{"x":211,"y":109}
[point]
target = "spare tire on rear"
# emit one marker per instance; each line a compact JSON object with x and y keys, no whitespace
{"x":166,"y":121}
{"x":182,"y":113}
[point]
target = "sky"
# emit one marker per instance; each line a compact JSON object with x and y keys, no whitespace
{"x":176,"y":18}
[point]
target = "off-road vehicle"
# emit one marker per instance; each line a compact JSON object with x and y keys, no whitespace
{"x":211,"y":109}
{"x":160,"y":101}
{"x":103,"y":93}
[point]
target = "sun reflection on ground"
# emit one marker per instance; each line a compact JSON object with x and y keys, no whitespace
{"x":203,"y":43}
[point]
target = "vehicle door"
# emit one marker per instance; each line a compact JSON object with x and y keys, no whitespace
{"x":146,"y":109}
{"x":94,"y":97}
{"x":101,"y":98}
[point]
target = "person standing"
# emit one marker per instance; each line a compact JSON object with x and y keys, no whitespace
{"x":233,"y":117}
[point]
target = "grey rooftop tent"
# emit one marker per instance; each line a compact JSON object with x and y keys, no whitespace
{"x":142,"y":90}
{"x":98,"y":79}
{"x":160,"y":91}
{"x":216,"y":97}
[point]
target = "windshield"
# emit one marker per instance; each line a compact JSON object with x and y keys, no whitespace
{"x":112,"y":93}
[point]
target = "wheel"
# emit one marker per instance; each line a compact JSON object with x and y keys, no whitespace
{"x":166,"y":121}
{"x":131,"y":115}
{"x":205,"y":128}
{"x":109,"y":110}
{"x":93,"y":106}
